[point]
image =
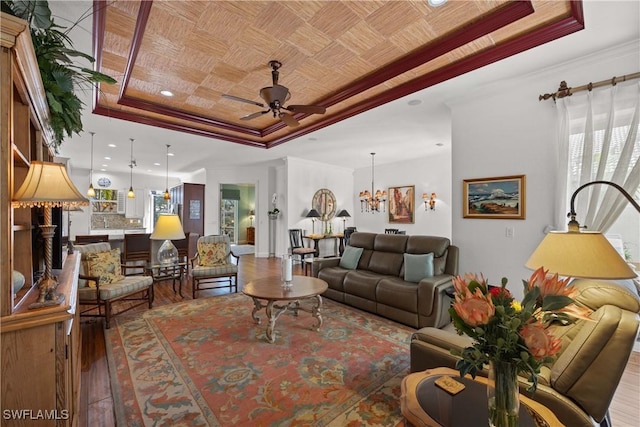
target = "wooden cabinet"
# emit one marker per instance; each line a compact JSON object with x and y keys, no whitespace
{"x":134,"y":208}
{"x":41,"y":358}
{"x":40,"y":348}
{"x":188,"y":200}
{"x":251,"y":235}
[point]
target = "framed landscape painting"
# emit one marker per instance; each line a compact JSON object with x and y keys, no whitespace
{"x":494,"y":198}
{"x":402,"y":204}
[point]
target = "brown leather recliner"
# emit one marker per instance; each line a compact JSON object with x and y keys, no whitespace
{"x":580,"y":384}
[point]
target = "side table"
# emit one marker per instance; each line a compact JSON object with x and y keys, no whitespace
{"x":425,"y":404}
{"x":172,"y":272}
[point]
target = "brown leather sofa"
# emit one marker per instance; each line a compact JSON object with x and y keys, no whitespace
{"x":377,"y":283}
{"x":579,"y":386}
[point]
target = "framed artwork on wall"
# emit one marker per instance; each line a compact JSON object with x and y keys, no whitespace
{"x":402,"y":205}
{"x":501,"y":197}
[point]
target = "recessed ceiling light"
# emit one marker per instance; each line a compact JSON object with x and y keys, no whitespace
{"x":112,"y":145}
{"x":436,"y":3}
{"x":107,"y":158}
{"x":103,"y":170}
{"x":105,"y":166}
{"x":414,"y":102}
{"x":166,"y":93}
{"x":170,"y":154}
{"x":156,"y":164}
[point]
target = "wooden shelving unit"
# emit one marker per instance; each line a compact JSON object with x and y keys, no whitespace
{"x":40,"y":348}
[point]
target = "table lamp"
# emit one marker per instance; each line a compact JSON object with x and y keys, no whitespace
{"x":167,"y":228}
{"x":583,"y":254}
{"x":47,"y":185}
{"x":344,"y":215}
{"x":252,"y":213}
{"x":313,"y":214}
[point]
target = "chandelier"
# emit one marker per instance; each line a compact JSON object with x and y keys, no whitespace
{"x":372,"y":201}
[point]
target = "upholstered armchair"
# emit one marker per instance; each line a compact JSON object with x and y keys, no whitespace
{"x":103,"y":283}
{"x":213,"y":264}
{"x":579,"y":386}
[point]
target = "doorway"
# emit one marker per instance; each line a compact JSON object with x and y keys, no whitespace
{"x":237,"y":202}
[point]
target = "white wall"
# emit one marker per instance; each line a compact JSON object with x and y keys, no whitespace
{"x":505,"y":130}
{"x":429,"y":175}
{"x":304,"y":178}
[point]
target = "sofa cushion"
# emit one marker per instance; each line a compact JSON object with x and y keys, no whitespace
{"x":418,"y":266}
{"x":397,"y":293}
{"x":425,"y":244}
{"x":334,"y":276}
{"x":362,"y":283}
{"x":126,"y":286}
{"x":212,"y":254}
{"x":350,"y":257}
{"x":597,"y":293}
{"x":105,"y":265}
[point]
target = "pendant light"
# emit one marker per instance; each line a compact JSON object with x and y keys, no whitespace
{"x":130,"y":193}
{"x":91,"y":192}
{"x":166,"y":195}
{"x":372,"y":201}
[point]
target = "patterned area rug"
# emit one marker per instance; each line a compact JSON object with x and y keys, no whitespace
{"x":205,"y":362}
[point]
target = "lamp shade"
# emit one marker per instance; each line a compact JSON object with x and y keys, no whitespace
{"x":48,"y":185}
{"x":343,"y":214}
{"x":168,"y":227}
{"x":313,"y":214}
{"x":579,"y":254}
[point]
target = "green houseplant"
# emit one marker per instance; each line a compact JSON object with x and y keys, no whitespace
{"x":60,"y":76}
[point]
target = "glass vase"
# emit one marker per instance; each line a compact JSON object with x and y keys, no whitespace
{"x":503,"y":395}
{"x":287,"y":270}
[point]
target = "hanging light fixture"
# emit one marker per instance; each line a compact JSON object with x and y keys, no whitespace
{"x":166,"y":195}
{"x":130,"y":193}
{"x":91,"y":192}
{"x":370,"y":201}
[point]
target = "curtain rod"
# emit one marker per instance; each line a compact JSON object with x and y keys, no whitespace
{"x":563,"y":90}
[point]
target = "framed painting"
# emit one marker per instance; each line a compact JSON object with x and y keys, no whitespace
{"x":402,"y":204}
{"x":494,"y":198}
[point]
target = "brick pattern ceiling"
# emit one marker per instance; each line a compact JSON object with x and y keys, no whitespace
{"x":346,"y":56}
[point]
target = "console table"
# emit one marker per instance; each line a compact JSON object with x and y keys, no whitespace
{"x":317,"y":237}
{"x":424,"y":404}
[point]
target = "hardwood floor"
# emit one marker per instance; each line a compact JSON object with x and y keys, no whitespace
{"x":96,"y":402}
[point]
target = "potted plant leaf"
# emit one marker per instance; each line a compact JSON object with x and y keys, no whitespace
{"x":60,"y":76}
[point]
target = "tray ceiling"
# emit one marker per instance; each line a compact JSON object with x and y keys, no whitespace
{"x":347,"y":56}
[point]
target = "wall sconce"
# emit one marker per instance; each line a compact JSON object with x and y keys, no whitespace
{"x":429,"y":201}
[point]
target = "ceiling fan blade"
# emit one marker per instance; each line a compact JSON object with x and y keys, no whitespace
{"x":289,"y":120}
{"x":235,"y":98}
{"x":254,"y":115}
{"x":309,"y":109}
{"x":275,"y":93}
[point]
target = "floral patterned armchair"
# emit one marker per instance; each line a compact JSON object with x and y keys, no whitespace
{"x":213,"y":264}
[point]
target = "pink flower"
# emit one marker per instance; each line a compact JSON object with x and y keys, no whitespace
{"x":461,"y":285}
{"x":539,"y":341}
{"x":474,"y":308}
{"x":549,"y":285}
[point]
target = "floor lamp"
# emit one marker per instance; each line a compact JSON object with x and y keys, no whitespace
{"x":583,"y":254}
{"x":47,"y":185}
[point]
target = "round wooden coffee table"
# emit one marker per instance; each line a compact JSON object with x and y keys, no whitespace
{"x":271,"y":290}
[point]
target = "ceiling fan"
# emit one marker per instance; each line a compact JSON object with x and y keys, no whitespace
{"x":275,"y":96}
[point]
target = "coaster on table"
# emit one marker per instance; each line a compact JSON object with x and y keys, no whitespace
{"x":449,"y":385}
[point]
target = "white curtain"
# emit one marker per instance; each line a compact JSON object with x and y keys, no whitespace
{"x":598,"y":140}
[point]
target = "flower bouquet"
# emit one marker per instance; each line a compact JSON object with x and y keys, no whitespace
{"x":510,"y":336}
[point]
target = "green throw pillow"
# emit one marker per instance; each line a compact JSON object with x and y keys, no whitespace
{"x":418,"y":266}
{"x":350,"y":257}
